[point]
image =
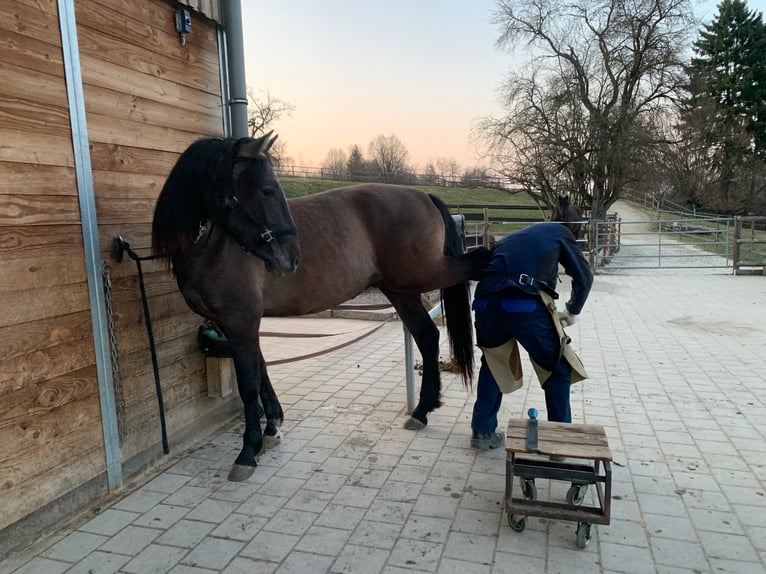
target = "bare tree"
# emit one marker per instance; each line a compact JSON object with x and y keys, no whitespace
{"x":543,"y":138}
{"x":389,"y":155}
{"x":334,"y":163}
{"x":263,"y":114}
{"x":430,"y":176}
{"x":449,"y":169}
{"x":581,"y":113}
{"x":444,"y":171}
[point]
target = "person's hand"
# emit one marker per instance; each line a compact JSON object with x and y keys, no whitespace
{"x":566,"y":318}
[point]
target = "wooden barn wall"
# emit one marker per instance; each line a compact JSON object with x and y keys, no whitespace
{"x":50,"y":422}
{"x":147,"y":98}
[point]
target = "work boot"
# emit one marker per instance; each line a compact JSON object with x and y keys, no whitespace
{"x":487,"y":440}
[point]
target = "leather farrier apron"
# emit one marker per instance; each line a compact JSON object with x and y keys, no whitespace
{"x":504,"y":362}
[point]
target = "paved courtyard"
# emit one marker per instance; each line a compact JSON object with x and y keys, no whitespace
{"x":676,"y":367}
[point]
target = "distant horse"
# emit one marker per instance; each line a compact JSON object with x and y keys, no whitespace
{"x":240,"y":252}
{"x":570,"y":214}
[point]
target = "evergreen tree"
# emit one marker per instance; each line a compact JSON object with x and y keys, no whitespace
{"x":355,"y":165}
{"x":726,"y":108}
{"x":729,"y":74}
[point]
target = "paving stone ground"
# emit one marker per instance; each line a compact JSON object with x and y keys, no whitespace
{"x":676,"y":379}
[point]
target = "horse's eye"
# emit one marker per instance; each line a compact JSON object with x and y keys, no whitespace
{"x":268,"y":191}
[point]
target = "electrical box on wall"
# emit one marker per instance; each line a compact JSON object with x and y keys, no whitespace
{"x":183,"y":24}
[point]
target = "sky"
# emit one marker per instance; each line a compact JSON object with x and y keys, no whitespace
{"x":423,"y":70}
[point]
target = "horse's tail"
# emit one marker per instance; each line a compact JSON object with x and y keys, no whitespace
{"x":456,"y":302}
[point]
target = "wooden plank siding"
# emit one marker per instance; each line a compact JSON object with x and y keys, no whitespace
{"x":50,"y":417}
{"x":146,"y":99}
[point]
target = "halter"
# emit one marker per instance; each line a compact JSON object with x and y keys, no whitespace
{"x":266,"y":237}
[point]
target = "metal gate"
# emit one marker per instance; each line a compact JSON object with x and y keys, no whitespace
{"x":699,"y":243}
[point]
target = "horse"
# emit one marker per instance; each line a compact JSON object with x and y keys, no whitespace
{"x":241,"y":251}
{"x":570,"y":214}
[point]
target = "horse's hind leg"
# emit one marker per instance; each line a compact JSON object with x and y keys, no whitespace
{"x":426,"y":335}
{"x":271,"y":408}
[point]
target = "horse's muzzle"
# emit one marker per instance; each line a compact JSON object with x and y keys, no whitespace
{"x":285,"y":256}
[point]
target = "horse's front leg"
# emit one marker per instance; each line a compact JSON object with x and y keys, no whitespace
{"x":249,"y":366}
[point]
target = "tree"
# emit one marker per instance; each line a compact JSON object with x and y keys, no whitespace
{"x":334,"y":163}
{"x":356,"y":167}
{"x":581,"y":114}
{"x":445,"y":171}
{"x":475,"y":177}
{"x":262,"y":116}
{"x":724,"y":114}
{"x":429,"y":175}
{"x":389,"y":155}
{"x":449,"y":169}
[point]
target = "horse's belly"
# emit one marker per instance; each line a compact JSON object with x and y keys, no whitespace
{"x":299,"y":294}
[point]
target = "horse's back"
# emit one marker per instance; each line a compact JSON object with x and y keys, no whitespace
{"x":380,"y":215}
{"x":357,"y":236}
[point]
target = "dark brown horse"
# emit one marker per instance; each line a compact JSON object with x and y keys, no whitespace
{"x":240,"y":252}
{"x":570,"y":214}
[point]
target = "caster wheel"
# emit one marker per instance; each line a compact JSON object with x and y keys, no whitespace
{"x":517,"y":525}
{"x":528,"y":488}
{"x":583,"y":534}
{"x":576,"y":494}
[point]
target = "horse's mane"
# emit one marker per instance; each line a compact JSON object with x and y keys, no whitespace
{"x":203,"y":169}
{"x":195,"y":191}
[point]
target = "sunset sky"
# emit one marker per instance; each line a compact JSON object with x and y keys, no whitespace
{"x":424,"y":70}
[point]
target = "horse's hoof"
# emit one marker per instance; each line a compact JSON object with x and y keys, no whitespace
{"x":270,"y":441}
{"x":414,"y":424}
{"x":240,"y":472}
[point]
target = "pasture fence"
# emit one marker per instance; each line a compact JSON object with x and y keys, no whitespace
{"x":749,"y":246}
{"x":613,"y":244}
{"x":480,"y":218}
{"x":400,"y":178}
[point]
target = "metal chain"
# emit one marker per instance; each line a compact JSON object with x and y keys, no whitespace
{"x":122,"y":423}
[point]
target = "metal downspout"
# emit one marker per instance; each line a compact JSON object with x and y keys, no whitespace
{"x":83,"y":170}
{"x":235,"y":52}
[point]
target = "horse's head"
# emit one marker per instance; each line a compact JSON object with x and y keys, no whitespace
{"x":568,"y":214}
{"x":561,"y":208}
{"x":255,"y":210}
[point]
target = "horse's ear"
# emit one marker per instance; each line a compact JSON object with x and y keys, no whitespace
{"x":258,"y":147}
{"x":270,"y":142}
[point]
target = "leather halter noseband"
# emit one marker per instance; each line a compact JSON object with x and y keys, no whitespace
{"x":266,"y":237}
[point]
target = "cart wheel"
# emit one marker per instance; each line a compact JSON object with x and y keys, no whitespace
{"x":576,"y":494}
{"x":517,"y":525}
{"x":528,"y":488}
{"x":583,"y":534}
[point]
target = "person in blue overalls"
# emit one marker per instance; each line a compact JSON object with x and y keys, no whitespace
{"x":514,"y":303}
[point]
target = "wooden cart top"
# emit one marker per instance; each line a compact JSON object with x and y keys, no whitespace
{"x":560,"y":439}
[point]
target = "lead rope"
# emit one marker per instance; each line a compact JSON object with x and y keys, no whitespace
{"x":119,"y":248}
{"x":122,"y":423}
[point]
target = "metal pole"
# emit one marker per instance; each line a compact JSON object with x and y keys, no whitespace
{"x":409,"y":371}
{"x":235,"y":51}
{"x":86,"y":195}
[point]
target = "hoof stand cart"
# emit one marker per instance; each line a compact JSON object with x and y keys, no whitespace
{"x":575,"y":453}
